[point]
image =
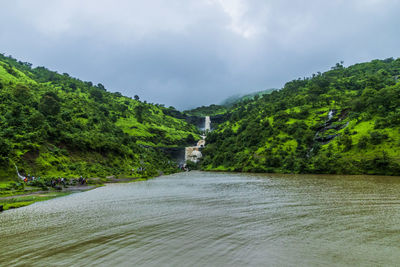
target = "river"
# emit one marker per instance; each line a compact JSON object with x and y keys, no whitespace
{"x":212,"y":219}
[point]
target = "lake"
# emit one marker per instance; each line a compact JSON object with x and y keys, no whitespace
{"x":212,"y":219}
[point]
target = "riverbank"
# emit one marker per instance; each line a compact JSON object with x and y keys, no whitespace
{"x":13,"y":196}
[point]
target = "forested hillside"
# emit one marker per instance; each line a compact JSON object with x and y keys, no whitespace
{"x":346,"y":120}
{"x":53,"y":124}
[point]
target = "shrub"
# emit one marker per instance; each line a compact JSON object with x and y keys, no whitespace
{"x":377,"y":137}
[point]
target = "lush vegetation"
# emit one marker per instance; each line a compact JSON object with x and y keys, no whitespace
{"x":346,"y":120}
{"x":56,"y":125}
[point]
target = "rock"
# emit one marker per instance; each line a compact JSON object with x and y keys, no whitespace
{"x":201,"y":143}
{"x":193,"y":154}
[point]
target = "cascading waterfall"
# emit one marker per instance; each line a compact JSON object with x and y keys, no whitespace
{"x":18,"y":174}
{"x":192,"y":153}
{"x":207,"y":124}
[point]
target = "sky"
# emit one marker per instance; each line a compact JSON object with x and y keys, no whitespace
{"x":188,"y":53}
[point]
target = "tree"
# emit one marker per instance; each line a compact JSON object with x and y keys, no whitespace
{"x":136,"y":97}
{"x":139,"y":113}
{"x":101,"y":87}
{"x":377,"y":137}
{"x":346,"y":141}
{"x":22,"y":93}
{"x":97,"y":94}
{"x":49,"y":105}
{"x":5,"y":149}
{"x":190,"y":139}
{"x":362,"y":143}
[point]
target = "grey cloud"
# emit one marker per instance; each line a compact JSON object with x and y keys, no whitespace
{"x":190,"y":53}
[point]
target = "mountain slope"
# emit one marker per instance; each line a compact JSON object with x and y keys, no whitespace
{"x":346,"y":120}
{"x":53,"y":124}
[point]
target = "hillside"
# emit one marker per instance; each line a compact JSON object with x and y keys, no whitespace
{"x":56,"y":125}
{"x":226,"y":105}
{"x":346,"y":120}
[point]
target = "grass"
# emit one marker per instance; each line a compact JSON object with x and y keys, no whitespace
{"x":22,"y":201}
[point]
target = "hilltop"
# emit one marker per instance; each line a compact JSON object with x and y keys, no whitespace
{"x":346,"y":120}
{"x":56,"y":125}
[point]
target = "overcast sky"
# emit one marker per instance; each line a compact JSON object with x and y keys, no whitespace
{"x":188,"y":53}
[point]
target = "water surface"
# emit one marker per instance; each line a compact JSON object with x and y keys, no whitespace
{"x":212,"y":219}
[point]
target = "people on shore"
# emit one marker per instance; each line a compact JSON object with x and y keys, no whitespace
{"x":53,"y":182}
{"x":183,"y":167}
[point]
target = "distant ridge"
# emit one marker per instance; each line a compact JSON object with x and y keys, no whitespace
{"x":230,"y":101}
{"x":224,"y":106}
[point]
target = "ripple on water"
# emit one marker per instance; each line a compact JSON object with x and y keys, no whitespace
{"x":217,"y":219}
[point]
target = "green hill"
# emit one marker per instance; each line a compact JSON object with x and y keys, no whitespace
{"x":346,"y":120}
{"x":56,"y":125}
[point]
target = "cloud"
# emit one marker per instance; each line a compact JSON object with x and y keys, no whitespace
{"x":196,"y":52}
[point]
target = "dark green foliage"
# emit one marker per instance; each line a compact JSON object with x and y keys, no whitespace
{"x":346,"y":141}
{"x":49,"y":105}
{"x":377,"y":137}
{"x":363,"y":142}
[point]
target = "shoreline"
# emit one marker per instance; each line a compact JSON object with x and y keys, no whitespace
{"x":28,"y":197}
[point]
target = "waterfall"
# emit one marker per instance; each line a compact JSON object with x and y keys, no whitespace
{"x":18,"y":174}
{"x":330,"y":114}
{"x":207,"y":124}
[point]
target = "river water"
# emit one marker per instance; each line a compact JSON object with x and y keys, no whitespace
{"x":212,"y":219}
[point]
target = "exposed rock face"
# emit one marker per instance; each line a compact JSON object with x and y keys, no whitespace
{"x":201,"y":143}
{"x":193,"y":154}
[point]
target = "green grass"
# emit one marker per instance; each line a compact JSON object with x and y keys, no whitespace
{"x":21,"y":201}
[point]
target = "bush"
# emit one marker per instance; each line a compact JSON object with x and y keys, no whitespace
{"x":191,"y":165}
{"x":377,"y":137}
{"x":363,"y":142}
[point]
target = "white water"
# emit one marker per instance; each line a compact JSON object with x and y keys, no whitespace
{"x":18,"y":174}
{"x":207,"y":124}
{"x":330,"y":114}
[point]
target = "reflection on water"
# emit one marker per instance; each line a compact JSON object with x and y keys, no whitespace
{"x":214,"y":219}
